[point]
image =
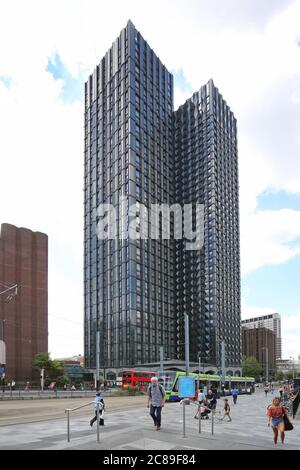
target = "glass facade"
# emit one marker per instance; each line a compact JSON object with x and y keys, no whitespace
{"x":129,"y":285}
{"x":137,"y":291}
{"x":208,"y":281}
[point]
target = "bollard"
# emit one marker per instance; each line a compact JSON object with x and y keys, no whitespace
{"x":212,"y":421}
{"x":199,"y":415}
{"x":98,"y":424}
{"x":183,"y":411}
{"x":68,"y":424}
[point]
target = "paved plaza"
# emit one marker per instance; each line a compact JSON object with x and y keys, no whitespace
{"x":132,"y":429}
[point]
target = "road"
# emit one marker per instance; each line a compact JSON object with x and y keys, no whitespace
{"x":30,"y":411}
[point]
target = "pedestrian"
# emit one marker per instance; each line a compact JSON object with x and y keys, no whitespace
{"x":201,"y":399}
{"x":201,"y":396}
{"x":211,"y":399}
{"x":266,"y":390}
{"x":276,"y":413}
{"x":226,"y":410}
{"x":99,"y":404}
{"x":281,"y":393}
{"x":156,"y":401}
{"x":234,"y":393}
{"x":13,"y":385}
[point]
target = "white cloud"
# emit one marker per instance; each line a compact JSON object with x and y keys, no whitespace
{"x":290,"y":332}
{"x":269,"y":238}
{"x":252,"y":312}
{"x":250,"y":51}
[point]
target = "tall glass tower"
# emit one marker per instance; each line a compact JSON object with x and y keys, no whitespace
{"x":208,"y":281}
{"x":136,"y":290}
{"x":129,"y":285}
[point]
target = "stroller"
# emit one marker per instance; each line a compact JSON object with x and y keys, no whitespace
{"x":203,"y":411}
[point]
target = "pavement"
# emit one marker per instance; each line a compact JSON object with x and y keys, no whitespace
{"x":132,"y":429}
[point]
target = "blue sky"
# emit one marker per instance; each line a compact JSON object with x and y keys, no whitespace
{"x":275,"y":286}
{"x":5,"y":80}
{"x":72,"y":87}
{"x":181,"y":82}
{"x":278,"y":200}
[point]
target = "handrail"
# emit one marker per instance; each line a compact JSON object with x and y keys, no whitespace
{"x":296,"y":403}
{"x":79,"y":407}
{"x":68,"y":410}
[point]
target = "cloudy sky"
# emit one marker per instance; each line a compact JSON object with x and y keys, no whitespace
{"x":251,"y":49}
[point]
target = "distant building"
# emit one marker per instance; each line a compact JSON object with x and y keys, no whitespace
{"x":273,"y":323}
{"x":259,"y":342}
{"x":77,"y":359}
{"x":23,"y":319}
{"x":289,"y":365}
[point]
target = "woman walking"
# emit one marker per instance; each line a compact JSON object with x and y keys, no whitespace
{"x":276,"y":413}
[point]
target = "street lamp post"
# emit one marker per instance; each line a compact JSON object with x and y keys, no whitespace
{"x":8,"y":289}
{"x":10,"y":292}
{"x":267,"y":364}
{"x":293,"y":359}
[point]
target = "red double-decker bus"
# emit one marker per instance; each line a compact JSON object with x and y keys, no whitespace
{"x":136,"y":378}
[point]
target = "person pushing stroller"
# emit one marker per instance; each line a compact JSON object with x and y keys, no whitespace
{"x":203,"y":410}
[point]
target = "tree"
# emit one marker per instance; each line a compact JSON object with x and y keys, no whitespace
{"x":42,"y":361}
{"x":251,"y":367}
{"x":279,"y":375}
{"x":288,"y":375}
{"x":62,"y":380}
{"x":53,"y":368}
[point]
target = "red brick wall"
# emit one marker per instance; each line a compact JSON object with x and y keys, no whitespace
{"x":24,"y":261}
{"x":254,"y":340}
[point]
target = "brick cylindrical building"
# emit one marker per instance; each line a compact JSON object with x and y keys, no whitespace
{"x":23,"y":261}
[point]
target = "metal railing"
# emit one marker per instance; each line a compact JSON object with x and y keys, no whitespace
{"x":185,"y":402}
{"x":10,"y":394}
{"x":68,"y":411}
{"x":296,"y":403}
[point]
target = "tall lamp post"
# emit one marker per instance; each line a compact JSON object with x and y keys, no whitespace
{"x":10,"y":292}
{"x":293,"y":359}
{"x":267,"y":364}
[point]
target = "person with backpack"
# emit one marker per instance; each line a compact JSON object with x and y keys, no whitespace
{"x":99,"y":403}
{"x":156,"y":401}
